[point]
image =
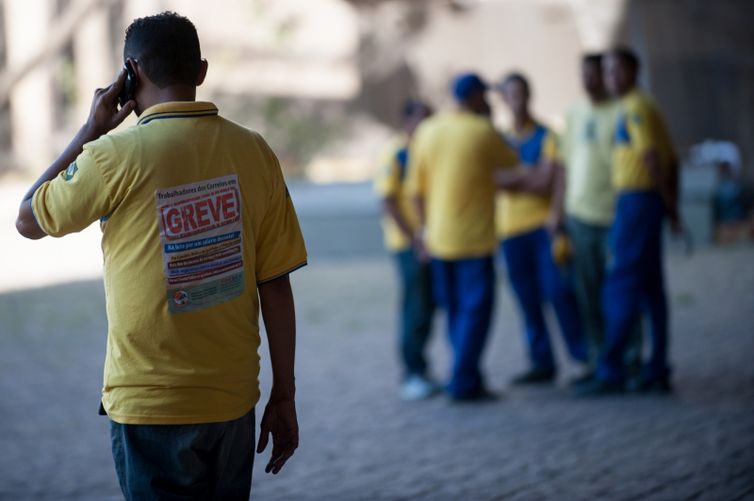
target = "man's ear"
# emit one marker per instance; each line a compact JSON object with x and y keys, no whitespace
{"x":203,"y":65}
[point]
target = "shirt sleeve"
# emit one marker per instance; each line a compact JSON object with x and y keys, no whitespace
{"x":416,"y":176}
{"x":566,"y":139}
{"x":73,"y":200}
{"x":280,"y":247}
{"x":551,"y":150}
{"x":387,"y":183}
{"x":640,"y":128}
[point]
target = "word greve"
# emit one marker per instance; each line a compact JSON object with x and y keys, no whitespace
{"x":200,"y":214}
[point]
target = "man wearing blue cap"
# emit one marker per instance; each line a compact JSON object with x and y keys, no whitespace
{"x":453,"y":162}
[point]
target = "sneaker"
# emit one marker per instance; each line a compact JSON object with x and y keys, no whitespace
{"x":535,"y":376}
{"x":417,"y":388}
{"x":582,"y":378}
{"x":595,"y":387}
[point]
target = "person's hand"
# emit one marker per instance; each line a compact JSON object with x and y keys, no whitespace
{"x":105,"y":115}
{"x":420,"y":247}
{"x":676,"y":225}
{"x":280,"y":420}
{"x":554,"y":223}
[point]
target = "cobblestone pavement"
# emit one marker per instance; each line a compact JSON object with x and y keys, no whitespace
{"x":358,"y":441}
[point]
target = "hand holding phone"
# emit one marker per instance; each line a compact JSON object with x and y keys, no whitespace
{"x":129,"y":85}
{"x":104,"y":115}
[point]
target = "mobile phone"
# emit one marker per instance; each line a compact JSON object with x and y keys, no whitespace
{"x":129,"y":86}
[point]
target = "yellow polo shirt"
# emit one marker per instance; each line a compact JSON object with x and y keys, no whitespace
{"x":195,"y":215}
{"x":453,"y":159}
{"x":639,"y":129}
{"x":390,"y":183}
{"x":519,"y":212}
{"x":587,"y":146}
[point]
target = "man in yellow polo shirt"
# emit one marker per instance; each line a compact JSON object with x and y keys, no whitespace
{"x":399,"y":224}
{"x":198,"y":232}
{"x":645,"y":177}
{"x":526,"y":207}
{"x":587,"y":144}
{"x":454,"y":159}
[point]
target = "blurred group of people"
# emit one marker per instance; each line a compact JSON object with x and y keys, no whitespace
{"x":577,"y":220}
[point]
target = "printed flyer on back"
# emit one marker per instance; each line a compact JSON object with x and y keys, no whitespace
{"x":202,"y":243}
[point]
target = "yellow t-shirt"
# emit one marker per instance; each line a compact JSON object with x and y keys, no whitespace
{"x":195,"y":215}
{"x":587,"y":146}
{"x":453,"y":159}
{"x":639,"y":129}
{"x":390,"y":183}
{"x":516,"y":212}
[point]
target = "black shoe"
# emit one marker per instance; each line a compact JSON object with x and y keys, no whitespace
{"x":595,"y":387}
{"x":535,"y":376}
{"x":479,"y":395}
{"x":651,"y":385}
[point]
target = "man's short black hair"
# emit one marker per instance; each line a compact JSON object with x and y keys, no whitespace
{"x":627,"y":57}
{"x":516,"y":77}
{"x":594,"y":58}
{"x":166,"y":47}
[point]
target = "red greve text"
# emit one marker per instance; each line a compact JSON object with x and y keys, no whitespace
{"x":200,"y":214}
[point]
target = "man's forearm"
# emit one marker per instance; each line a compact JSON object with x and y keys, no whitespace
{"x":537,"y":180}
{"x":558,"y":194}
{"x":278,"y":312}
{"x":673,"y":189}
{"x":420,"y":211}
{"x":390,"y":207}
{"x":509,"y":179}
{"x":666,"y":181}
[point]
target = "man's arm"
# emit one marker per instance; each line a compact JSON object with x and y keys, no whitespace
{"x":279,"y":419}
{"x":417,"y":239}
{"x":536,"y":180}
{"x":557,"y":202}
{"x":103,"y":117}
{"x":667,"y":182}
{"x":391,"y":208}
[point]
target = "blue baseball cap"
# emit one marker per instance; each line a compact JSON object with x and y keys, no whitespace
{"x":466,"y":84}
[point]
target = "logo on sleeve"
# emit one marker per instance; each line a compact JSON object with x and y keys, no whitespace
{"x":621,"y":132}
{"x":70,"y":172}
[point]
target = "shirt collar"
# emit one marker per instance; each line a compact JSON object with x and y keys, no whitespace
{"x":177,"y":109}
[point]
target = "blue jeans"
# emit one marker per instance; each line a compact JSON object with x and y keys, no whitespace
{"x":416,"y":309}
{"x":535,"y":279}
{"x":635,"y":279}
{"x":185,"y":462}
{"x":589,"y":263}
{"x":465,"y":288}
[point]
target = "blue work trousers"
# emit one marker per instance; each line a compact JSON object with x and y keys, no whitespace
{"x":591,"y":249}
{"x":465,"y":288}
{"x":635,"y":280}
{"x":536,"y":279}
{"x":416,"y":308}
{"x":167,"y":462}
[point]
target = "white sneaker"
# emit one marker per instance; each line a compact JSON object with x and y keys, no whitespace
{"x":417,"y":388}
